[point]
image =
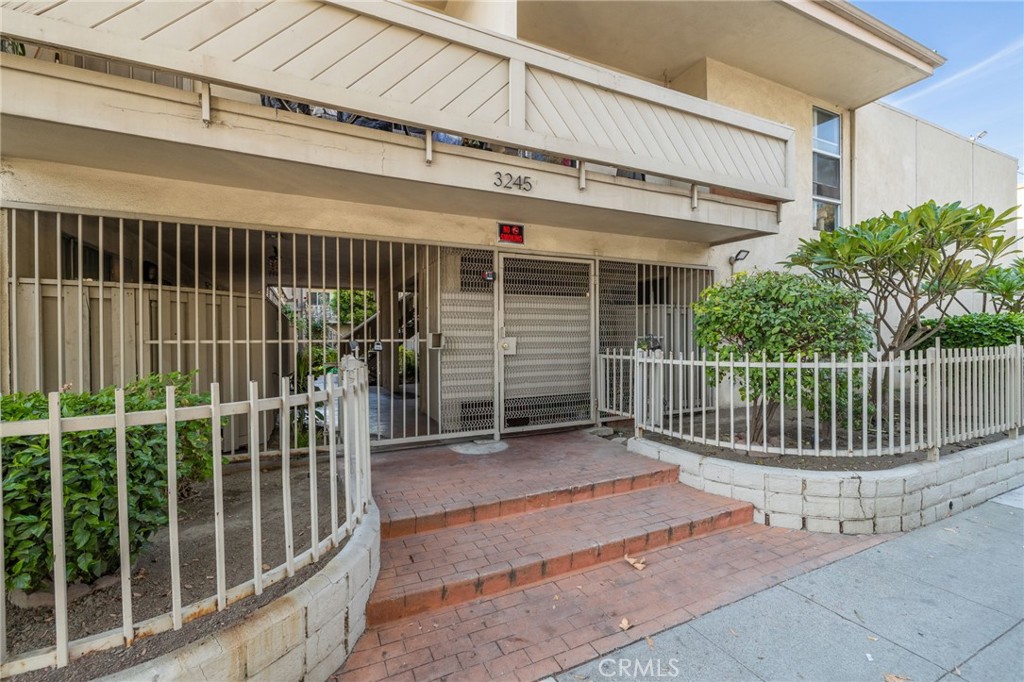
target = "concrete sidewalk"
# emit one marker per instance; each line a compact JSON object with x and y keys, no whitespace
{"x":945,"y":602}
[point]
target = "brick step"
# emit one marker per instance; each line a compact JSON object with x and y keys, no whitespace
{"x":454,"y":565}
{"x":532,"y":633}
{"x":522,"y":498}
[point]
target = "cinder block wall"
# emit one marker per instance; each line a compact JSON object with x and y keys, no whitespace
{"x":888,"y":501}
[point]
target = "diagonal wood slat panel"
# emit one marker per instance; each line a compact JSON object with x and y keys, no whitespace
{"x":32,"y":7}
{"x":480,"y":91}
{"x":83,"y":13}
{"x":649,"y":130}
{"x":195,"y":28}
{"x":368,"y":56}
{"x":391,"y":61}
{"x":494,"y":109}
{"x":144,"y":19}
{"x":323,"y":55}
{"x":426,"y":75}
{"x":458,"y":81}
{"x":243,"y":37}
{"x":280,"y":49}
{"x":388,"y":74}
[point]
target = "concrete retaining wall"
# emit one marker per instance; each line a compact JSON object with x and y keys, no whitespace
{"x":887,"y":501}
{"x":304,"y":635}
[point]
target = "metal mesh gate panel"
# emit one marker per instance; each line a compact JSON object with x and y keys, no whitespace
{"x":548,"y":365}
{"x":467,"y":361}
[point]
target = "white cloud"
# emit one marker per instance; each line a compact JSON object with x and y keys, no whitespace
{"x":1011,"y":51}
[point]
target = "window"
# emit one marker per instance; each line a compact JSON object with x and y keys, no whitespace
{"x":826,"y":172}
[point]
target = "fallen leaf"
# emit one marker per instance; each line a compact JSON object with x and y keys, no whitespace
{"x":650,"y":643}
{"x":265,"y":567}
{"x":956,"y":671}
{"x":733,"y":633}
{"x":625,"y":624}
{"x":889,"y":677}
{"x":556,"y":597}
{"x":136,"y":594}
{"x":188,"y":587}
{"x":951,"y":530}
{"x":638,"y":564}
{"x":873,"y":639}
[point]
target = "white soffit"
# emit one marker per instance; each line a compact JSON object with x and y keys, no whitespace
{"x":830,"y":50}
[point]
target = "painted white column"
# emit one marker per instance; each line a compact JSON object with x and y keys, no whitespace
{"x":496,"y":15}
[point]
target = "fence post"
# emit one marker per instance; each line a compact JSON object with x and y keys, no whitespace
{"x":935,"y":397}
{"x":1018,"y":388}
{"x":638,"y":395}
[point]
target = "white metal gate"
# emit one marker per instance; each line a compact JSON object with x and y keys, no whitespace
{"x":546,"y":343}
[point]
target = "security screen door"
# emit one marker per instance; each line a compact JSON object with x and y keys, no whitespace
{"x":546,"y":343}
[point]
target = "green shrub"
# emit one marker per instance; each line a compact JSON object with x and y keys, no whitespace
{"x":978,"y":330}
{"x":407,"y":363}
{"x":90,"y":480}
{"x":781,"y":314}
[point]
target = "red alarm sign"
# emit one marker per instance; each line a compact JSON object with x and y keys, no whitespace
{"x":509,"y":232}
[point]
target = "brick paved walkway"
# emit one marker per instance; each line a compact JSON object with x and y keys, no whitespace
{"x":429,"y":488}
{"x":441,"y":613}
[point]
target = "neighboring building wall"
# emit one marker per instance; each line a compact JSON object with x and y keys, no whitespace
{"x":902,"y":161}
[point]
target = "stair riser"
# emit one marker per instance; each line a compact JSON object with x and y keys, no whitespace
{"x":463,"y":588}
{"x":489,"y":511}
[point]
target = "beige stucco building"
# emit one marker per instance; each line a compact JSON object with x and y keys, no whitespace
{"x":187,"y":186}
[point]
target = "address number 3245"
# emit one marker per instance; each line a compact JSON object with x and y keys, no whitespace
{"x":509,"y":181}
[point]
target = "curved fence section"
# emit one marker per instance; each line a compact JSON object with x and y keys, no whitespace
{"x":297,"y":493}
{"x":821,"y":406}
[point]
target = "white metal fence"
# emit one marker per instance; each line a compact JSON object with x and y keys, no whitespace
{"x":340,"y":414}
{"x":821,"y":406}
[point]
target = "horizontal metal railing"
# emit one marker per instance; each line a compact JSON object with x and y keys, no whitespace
{"x":344,"y":408}
{"x":823,"y":406}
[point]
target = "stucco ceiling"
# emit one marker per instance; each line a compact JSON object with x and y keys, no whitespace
{"x":829,"y":50}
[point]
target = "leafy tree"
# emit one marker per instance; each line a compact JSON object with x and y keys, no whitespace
{"x":354,"y":306}
{"x":775,"y":315}
{"x":1004,"y":287}
{"x":909,"y":264}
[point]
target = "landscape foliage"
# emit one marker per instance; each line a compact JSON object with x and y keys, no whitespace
{"x":910,"y":264}
{"x":773,"y":315}
{"x":90,"y":480}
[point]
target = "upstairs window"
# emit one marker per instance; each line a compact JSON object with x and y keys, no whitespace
{"x":826,"y":172}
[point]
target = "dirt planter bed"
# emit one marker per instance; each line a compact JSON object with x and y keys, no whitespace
{"x":304,"y":635}
{"x":885,"y":501}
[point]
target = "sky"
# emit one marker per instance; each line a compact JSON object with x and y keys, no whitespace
{"x":981,"y":85}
